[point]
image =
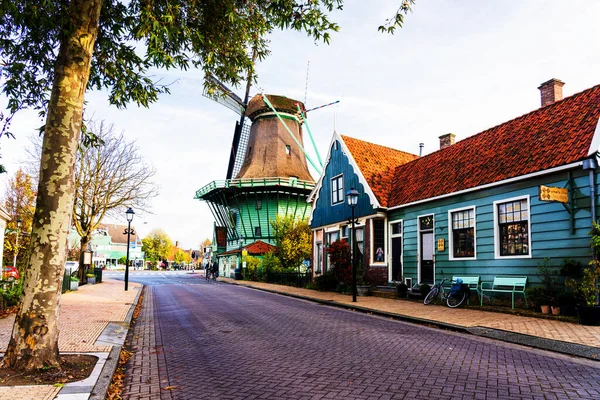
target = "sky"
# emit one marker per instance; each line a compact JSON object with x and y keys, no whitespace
{"x":455,"y":67}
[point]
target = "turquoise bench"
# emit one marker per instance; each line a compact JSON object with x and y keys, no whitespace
{"x":505,"y":284}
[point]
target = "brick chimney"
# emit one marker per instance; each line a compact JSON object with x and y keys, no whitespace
{"x":447,"y":140}
{"x":551,"y":91}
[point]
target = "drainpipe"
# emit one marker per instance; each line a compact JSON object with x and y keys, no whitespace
{"x":590,"y":165}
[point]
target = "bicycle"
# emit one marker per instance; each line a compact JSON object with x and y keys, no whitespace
{"x":453,"y":298}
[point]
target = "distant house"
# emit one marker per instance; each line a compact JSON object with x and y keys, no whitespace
{"x":109,"y":244}
{"x":496,"y":203}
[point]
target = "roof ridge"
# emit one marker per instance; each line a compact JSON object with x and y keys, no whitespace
{"x":376,"y":144}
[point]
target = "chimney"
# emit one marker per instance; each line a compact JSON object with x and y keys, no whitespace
{"x":447,"y":140}
{"x":551,"y":91}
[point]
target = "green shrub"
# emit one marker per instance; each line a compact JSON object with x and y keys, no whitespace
{"x":251,"y":272}
{"x":12,"y":293}
{"x":74,"y":278}
{"x":270,"y":264}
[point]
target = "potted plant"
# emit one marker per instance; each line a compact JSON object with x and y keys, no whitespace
{"x":566,"y":301}
{"x":91,"y":277}
{"x":401,"y":290}
{"x":74,"y":283}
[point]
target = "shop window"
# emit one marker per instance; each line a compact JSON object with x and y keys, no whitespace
{"x":378,"y":240}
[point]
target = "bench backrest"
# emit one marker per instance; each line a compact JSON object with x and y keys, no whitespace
{"x":515,"y":282}
{"x":471,"y":281}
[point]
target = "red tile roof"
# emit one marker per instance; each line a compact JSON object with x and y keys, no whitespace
{"x":257,"y":248}
{"x":552,"y":136}
{"x":377,"y":164}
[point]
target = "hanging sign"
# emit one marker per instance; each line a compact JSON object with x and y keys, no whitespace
{"x":550,"y":193}
{"x":441,"y":245}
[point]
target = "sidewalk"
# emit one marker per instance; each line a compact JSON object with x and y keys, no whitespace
{"x":559,"y":336}
{"x":93,"y":320}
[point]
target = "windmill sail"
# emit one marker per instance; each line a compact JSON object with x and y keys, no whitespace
{"x":225,"y":96}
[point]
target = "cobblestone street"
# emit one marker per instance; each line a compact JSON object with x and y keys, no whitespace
{"x":218,"y":341}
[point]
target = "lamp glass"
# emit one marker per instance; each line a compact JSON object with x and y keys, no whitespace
{"x":129,"y":213}
{"x":352,"y":196}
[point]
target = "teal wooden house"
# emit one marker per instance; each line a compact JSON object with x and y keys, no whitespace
{"x":273,"y":181}
{"x":496,"y":203}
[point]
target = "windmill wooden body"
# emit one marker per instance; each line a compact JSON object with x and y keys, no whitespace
{"x":270,"y":178}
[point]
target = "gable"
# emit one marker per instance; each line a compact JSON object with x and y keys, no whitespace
{"x":340,"y":163}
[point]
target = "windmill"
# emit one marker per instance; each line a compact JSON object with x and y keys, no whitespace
{"x":267,"y":175}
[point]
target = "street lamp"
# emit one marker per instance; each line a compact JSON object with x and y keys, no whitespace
{"x":129,"y":214}
{"x":17,"y":241}
{"x":352,"y":196}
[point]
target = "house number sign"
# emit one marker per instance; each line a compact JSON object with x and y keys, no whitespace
{"x":549,"y":193}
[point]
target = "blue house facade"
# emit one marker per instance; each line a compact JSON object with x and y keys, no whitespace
{"x":496,"y":203}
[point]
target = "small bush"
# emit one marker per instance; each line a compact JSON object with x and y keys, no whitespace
{"x":401,"y":290}
{"x":12,"y":294}
{"x":270,"y":263}
{"x":252,"y":268}
{"x":325,"y":282}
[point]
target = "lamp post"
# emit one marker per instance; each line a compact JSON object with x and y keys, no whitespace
{"x":17,"y":241}
{"x":129,"y":214}
{"x":352,"y":197}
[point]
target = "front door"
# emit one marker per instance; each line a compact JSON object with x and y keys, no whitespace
{"x":427,"y":257}
{"x":397,"y":259}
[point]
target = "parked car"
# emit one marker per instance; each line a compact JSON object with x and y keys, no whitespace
{"x":10,"y":273}
{"x":73,"y":265}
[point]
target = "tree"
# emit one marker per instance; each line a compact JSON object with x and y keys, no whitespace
{"x":19,"y":202}
{"x":182,"y":256}
{"x":157,"y":245}
{"x":61,"y":48}
{"x":292,"y":240}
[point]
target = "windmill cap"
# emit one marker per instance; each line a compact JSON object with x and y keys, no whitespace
{"x":257,"y":106}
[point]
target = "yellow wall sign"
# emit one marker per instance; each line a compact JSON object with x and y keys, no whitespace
{"x":441,"y":245}
{"x":549,"y":193}
{"x":244,"y":253}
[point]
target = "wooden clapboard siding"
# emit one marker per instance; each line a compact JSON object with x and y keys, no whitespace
{"x":550,"y":229}
{"x":325,"y":213}
{"x":273,"y":204}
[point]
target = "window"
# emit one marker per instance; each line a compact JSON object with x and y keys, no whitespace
{"x":288,"y":149}
{"x":257,"y":232}
{"x":337,"y":189}
{"x":331,"y":237}
{"x":462,"y":233}
{"x":378,"y":240}
{"x":259,"y":204}
{"x":512,"y":218}
{"x":345,"y":231}
{"x":319,"y":254}
{"x":396,"y":228}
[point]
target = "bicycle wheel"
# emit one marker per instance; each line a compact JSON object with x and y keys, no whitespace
{"x":433,"y":293}
{"x":456,"y":299}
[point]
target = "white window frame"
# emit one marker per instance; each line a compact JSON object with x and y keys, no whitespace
{"x":372,"y":241}
{"x":390,"y":237}
{"x":451,"y":233}
{"x":339,"y":177}
{"x":497,"y":230}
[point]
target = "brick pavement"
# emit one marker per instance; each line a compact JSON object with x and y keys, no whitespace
{"x":83,"y":316}
{"x":544,"y":328}
{"x":253,"y":344}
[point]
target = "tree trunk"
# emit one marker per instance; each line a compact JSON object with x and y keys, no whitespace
{"x":34,"y":342}
{"x":81,"y":273}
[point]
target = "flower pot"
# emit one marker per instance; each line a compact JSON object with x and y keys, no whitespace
{"x":363,"y":290}
{"x":91,"y":280}
{"x":74,"y":285}
{"x":545,"y":309}
{"x":555,"y":310}
{"x":589,"y":315}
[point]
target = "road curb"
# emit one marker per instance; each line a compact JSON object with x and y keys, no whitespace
{"x":103,"y":382}
{"x":555,"y":346}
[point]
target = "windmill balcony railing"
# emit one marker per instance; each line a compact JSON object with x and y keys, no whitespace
{"x":254,"y":183}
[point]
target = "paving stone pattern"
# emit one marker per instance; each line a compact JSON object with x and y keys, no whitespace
{"x":228,"y":342}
